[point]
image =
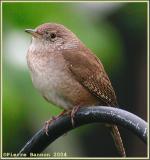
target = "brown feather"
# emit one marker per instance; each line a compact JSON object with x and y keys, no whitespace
{"x":90,"y":72}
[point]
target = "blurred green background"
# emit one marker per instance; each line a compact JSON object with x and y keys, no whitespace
{"x":116,"y":32}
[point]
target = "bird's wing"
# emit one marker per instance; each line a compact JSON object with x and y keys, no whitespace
{"x":89,"y":71}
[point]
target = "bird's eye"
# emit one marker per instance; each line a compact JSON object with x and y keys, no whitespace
{"x":53,"y":35}
{"x":50,"y":36}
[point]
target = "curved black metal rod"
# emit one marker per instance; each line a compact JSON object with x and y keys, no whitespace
{"x":84,"y":116}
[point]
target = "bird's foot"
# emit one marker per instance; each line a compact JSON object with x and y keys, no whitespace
{"x":54,"y":118}
{"x":46,"y":125}
{"x":72,"y":114}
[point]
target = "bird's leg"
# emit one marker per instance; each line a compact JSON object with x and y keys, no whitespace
{"x":72,"y":114}
{"x":47,"y":123}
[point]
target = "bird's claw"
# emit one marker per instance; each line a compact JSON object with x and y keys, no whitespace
{"x":46,"y":125}
{"x":72,"y":114}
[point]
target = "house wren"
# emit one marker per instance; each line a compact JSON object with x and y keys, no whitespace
{"x":67,"y":73}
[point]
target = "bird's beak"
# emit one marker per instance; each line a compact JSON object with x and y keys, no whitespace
{"x":33,"y":32}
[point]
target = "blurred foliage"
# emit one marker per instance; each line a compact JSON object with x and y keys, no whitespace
{"x":24,"y":110}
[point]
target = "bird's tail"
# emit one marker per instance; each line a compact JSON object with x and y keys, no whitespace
{"x":117,"y":139}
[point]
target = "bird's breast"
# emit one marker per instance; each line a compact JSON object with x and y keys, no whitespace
{"x":51,"y":76}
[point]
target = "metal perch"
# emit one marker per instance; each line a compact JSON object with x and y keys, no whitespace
{"x":84,"y":116}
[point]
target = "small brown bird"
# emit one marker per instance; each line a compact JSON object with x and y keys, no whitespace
{"x":68,"y":74}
